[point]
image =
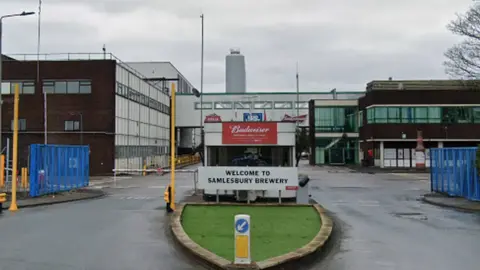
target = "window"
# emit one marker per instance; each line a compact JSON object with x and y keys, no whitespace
{"x":283,"y":105}
{"x":393,"y":115}
{"x":360,"y":119}
{"x":28,"y":87}
{"x":263,"y":105}
{"x":25,"y":87}
{"x":301,"y":105}
{"x":370,"y":116}
{"x":67,"y":87}
{"x":333,"y":119}
{"x":458,"y":115}
{"x":205,"y":105}
{"x":22,"y":124}
{"x":421,"y":114}
{"x":434,"y":114}
{"x":476,"y":115}
{"x":49,"y":87}
{"x":72,"y":125}
{"x":243,"y":105}
{"x":73,"y":87}
{"x":405,"y":115}
{"x":60,"y":88}
{"x":5,"y":88}
{"x":223,"y":105}
{"x":381,"y":115}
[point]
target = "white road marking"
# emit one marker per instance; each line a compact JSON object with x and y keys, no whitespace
{"x":425,"y":177}
{"x":387,"y":265}
{"x":361,"y":203}
{"x":117,"y":196}
{"x":163,"y":187}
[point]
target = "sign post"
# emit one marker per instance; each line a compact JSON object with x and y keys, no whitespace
{"x":242,"y":239}
{"x":248,"y":178}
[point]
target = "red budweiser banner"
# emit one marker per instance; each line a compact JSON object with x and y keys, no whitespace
{"x":299,"y":118}
{"x":249,"y":133}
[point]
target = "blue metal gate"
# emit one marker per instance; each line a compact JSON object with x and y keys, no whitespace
{"x":56,"y":168}
{"x":453,"y":172}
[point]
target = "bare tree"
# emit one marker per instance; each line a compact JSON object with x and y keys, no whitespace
{"x":463,"y":59}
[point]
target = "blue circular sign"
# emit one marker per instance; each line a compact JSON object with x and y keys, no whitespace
{"x":241,"y":225}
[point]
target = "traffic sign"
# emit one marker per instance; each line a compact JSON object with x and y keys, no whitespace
{"x":242,"y":239}
{"x":241,"y":225}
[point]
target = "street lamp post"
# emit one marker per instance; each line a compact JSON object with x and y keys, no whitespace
{"x":1,"y":60}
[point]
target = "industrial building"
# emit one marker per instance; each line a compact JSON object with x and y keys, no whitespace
{"x":333,"y":125}
{"x":122,"y":111}
{"x":161,"y":75}
{"x":447,"y":112}
{"x":387,"y":117}
{"x":124,"y":118}
{"x":235,"y":72}
{"x":250,"y":106}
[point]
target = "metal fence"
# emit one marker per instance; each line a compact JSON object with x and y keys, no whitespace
{"x":453,"y":172}
{"x":56,"y":168}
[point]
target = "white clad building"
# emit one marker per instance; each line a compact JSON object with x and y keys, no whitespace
{"x":237,"y":106}
{"x":162,"y":75}
{"x":142,"y":121}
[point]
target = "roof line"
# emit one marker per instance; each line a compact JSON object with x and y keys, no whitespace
{"x":165,"y":62}
{"x":277,"y":93}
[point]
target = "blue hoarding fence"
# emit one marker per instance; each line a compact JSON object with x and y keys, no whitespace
{"x":56,"y":168}
{"x":453,"y":171}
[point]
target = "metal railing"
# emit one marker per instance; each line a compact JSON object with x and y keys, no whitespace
{"x":453,"y":171}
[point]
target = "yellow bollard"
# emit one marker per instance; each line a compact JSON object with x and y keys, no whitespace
{"x":23,"y":176}
{"x":172,"y":147}
{"x":2,"y":171}
{"x":27,"y":183}
{"x":13,"y":203}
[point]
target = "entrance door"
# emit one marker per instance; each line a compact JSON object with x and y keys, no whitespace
{"x":337,"y":156}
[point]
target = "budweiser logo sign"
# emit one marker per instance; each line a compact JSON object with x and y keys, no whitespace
{"x":299,"y":118}
{"x":248,"y":129}
{"x":212,"y":118}
{"x":249,"y":133}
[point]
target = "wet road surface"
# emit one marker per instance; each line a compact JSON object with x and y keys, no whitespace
{"x":381,"y":224}
{"x":128,"y":230}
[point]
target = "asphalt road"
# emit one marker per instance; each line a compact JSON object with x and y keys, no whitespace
{"x":380,"y":224}
{"x":128,"y":230}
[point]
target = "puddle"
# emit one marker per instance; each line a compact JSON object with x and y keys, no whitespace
{"x":411,"y":215}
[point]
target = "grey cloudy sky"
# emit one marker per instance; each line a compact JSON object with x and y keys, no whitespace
{"x":339,"y":44}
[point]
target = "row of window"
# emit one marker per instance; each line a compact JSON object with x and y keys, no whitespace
{"x":246,"y":105}
{"x":67,"y":87}
{"x":336,"y":119}
{"x":126,"y":151}
{"x":142,"y":99}
{"x":49,"y":86}
{"x":25,"y":87}
{"x":423,"y":115}
{"x":69,"y":125}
